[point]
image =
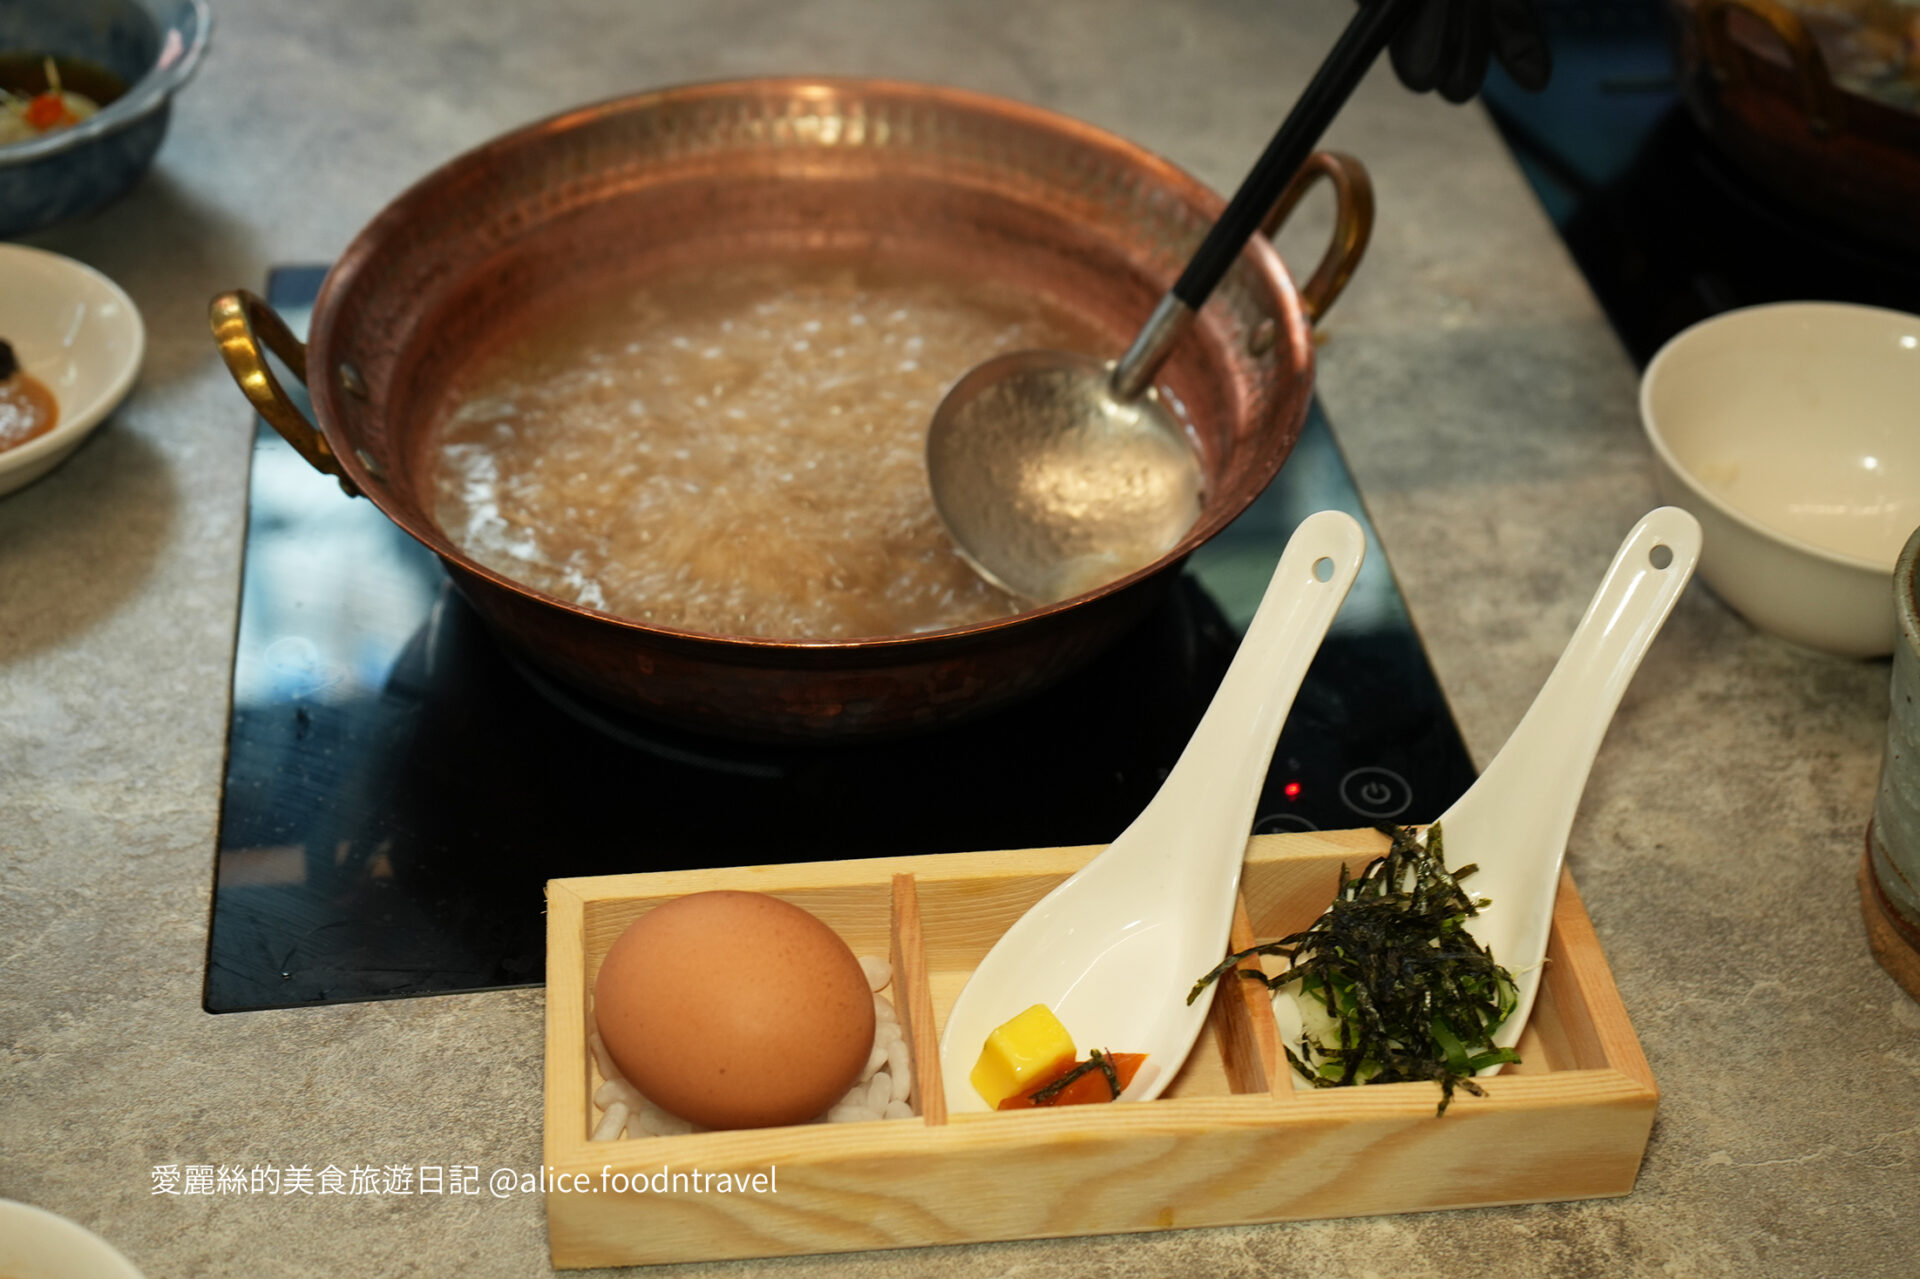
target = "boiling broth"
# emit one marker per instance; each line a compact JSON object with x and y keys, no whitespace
{"x":734,"y":451}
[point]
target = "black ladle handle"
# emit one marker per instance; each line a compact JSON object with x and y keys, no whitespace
{"x":1366,"y":36}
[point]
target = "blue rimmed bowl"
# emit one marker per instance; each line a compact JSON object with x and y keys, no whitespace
{"x":152,"y":45}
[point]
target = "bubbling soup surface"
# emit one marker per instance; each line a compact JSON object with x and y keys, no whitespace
{"x":737,"y":451}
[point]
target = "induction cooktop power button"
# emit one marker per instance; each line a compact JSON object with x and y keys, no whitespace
{"x":1375,"y":792}
{"x":1279,"y":823}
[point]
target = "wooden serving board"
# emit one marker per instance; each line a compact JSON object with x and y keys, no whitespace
{"x":1231,"y":1142}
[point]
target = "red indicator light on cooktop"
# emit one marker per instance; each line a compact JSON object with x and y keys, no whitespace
{"x":1291,"y":790}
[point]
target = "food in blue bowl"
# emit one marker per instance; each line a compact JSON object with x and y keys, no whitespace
{"x":87,"y":85}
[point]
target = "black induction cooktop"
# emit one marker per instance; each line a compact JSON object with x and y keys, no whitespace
{"x":1668,"y":229}
{"x":398,"y":791}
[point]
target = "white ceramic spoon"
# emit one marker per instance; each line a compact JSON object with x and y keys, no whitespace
{"x":1114,"y":949}
{"x":1514,"y":821}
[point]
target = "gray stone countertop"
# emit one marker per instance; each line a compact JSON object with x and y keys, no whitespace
{"x":1489,"y":415}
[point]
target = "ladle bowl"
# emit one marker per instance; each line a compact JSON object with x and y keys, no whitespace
{"x":1071,"y":487}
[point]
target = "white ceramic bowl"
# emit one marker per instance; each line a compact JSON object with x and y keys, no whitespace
{"x":72,"y":328}
{"x":37,"y":1244}
{"x":1792,"y":431}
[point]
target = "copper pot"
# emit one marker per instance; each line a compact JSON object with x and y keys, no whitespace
{"x":720,"y":171}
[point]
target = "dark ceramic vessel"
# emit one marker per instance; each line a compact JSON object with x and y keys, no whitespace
{"x":153,"y":46}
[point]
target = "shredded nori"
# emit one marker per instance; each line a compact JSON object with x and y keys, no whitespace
{"x":1415,"y":996}
{"x":1096,"y":1060}
{"x":9,"y":365}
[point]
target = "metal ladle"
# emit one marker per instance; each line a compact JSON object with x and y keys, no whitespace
{"x":1055,"y":472}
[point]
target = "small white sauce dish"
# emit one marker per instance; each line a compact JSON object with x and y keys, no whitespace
{"x":80,"y":335}
{"x":37,"y":1244}
{"x":1792,"y":431}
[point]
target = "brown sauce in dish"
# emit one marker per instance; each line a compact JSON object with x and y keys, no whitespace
{"x":27,"y":408}
{"x":739,"y":451}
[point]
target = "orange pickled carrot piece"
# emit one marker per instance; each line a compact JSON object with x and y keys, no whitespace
{"x":1089,"y":1089}
{"x":46,"y":110}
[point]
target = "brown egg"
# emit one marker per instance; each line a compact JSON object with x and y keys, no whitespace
{"x":735,"y":1010}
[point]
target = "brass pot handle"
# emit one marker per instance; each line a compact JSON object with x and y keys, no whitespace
{"x":241,"y":323}
{"x":1728,"y":62}
{"x":1352,"y":224}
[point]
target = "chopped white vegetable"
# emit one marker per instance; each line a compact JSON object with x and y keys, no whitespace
{"x":612,"y":1122}
{"x":901,"y":1069}
{"x":601,"y":1056}
{"x":616,"y":1090}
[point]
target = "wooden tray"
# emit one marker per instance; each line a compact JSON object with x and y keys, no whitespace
{"x":1232,"y":1141}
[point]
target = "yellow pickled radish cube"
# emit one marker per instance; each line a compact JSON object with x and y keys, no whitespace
{"x":1020,"y":1053}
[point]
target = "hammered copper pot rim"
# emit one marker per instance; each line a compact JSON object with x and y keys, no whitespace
{"x":1184,"y":186}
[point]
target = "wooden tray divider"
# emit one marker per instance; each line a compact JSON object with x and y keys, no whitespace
{"x":913,"y":999}
{"x":1243,"y":1020}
